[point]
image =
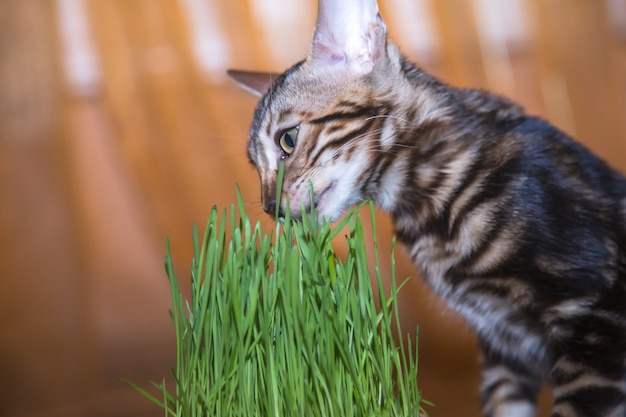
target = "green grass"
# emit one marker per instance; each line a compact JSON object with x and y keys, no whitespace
{"x":279,"y":325}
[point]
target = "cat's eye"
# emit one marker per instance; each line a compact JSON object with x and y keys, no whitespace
{"x":287,"y":141}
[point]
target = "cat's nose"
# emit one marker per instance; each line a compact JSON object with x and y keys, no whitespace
{"x":269,"y":205}
{"x":270,"y":208}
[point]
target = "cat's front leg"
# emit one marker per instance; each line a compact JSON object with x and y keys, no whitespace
{"x":508,"y":389}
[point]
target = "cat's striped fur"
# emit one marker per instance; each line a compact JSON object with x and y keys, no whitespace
{"x":518,"y":227}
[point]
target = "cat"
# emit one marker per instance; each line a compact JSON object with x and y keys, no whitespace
{"x":518,"y":227}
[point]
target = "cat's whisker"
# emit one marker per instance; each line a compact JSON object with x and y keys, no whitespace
{"x":255,"y":209}
{"x":388,"y":116}
{"x":371,"y":146}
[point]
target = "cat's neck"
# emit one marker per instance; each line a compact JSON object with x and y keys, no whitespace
{"x":444,"y":128}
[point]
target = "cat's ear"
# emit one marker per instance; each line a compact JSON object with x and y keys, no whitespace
{"x":349,"y":34}
{"x":253,"y":82}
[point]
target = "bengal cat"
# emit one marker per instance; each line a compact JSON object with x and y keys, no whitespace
{"x":521,"y":229}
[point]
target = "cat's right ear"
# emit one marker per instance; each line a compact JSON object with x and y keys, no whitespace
{"x":349,"y":34}
{"x":257,"y":83}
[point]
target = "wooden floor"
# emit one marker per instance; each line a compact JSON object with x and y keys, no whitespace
{"x":117,"y":128}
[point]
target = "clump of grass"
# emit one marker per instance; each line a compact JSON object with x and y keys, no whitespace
{"x":279,"y":325}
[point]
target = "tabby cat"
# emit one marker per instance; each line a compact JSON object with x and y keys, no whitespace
{"x":521,"y":229}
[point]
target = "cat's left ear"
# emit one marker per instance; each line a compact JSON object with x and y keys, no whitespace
{"x":349,"y":34}
{"x":257,"y":83}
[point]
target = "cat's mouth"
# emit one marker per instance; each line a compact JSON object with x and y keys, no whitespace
{"x":318,"y":200}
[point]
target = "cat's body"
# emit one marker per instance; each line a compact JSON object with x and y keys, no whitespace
{"x":519,"y":228}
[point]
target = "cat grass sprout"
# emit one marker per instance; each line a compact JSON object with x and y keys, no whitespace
{"x":279,"y":325}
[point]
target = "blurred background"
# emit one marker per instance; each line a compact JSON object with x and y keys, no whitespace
{"x":118,"y":128}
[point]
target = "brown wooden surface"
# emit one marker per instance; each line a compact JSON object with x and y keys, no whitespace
{"x":93,"y":179}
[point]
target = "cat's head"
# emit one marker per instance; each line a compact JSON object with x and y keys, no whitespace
{"x":319,"y":115}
